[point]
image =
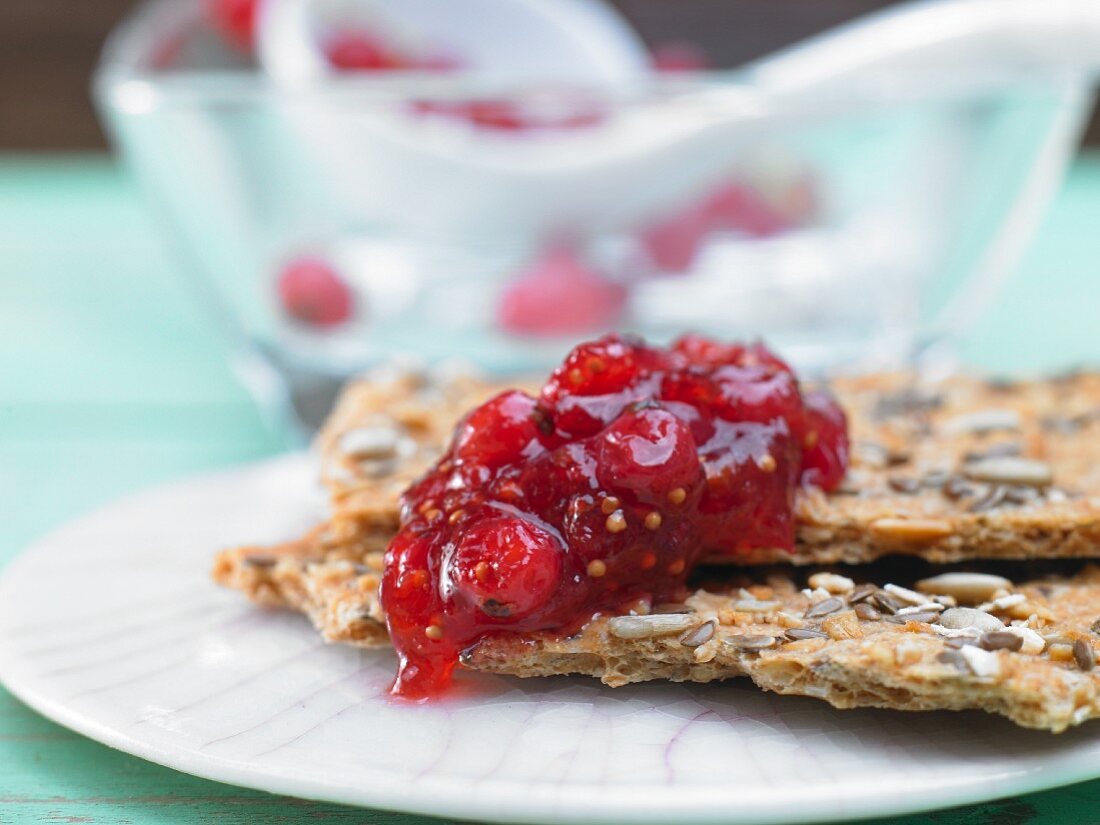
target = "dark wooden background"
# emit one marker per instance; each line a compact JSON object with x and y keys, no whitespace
{"x":49,"y":47}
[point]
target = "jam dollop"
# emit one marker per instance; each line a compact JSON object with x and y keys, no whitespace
{"x":632,"y":464}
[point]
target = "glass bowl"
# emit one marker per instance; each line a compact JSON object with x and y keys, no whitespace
{"x":438,"y":215}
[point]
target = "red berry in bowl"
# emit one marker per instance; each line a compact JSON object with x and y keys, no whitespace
{"x":680,"y":56}
{"x":362,"y":51}
{"x":742,"y":208}
{"x":235,"y":20}
{"x":674,"y":243}
{"x":560,"y":295}
{"x":313,"y":292}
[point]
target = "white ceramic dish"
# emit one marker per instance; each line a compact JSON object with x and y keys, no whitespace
{"x":110,"y":627}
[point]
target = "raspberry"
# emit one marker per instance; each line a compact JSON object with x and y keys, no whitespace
{"x":560,"y":295}
{"x":313,"y":292}
{"x":235,"y":20}
{"x":362,"y":51}
{"x":506,"y":567}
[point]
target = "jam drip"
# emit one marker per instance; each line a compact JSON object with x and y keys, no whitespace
{"x":632,"y":464}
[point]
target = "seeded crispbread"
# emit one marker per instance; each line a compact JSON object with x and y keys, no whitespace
{"x":826,"y":637}
{"x":949,"y":471}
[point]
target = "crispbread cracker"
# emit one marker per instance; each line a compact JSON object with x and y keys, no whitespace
{"x":908,"y":491}
{"x":745,"y":628}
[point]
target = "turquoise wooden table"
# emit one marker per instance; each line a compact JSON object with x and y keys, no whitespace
{"x":112,"y":380}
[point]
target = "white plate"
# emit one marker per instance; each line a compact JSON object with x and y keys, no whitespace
{"x":110,"y":627}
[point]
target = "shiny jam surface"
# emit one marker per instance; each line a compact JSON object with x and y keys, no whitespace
{"x":632,"y":464}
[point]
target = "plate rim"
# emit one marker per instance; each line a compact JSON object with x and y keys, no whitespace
{"x":499,"y":801}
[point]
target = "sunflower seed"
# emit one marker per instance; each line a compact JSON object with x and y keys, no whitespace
{"x":956,"y":642}
{"x":1001,"y":640}
{"x":927,"y":607}
{"x":648,"y":627}
{"x":370,"y":443}
{"x":982,"y":421}
{"x":955,"y":488}
{"x":934,"y":479}
{"x":911,"y":530}
{"x":1022,"y":495}
{"x":671,"y":607}
{"x":797,"y":634}
{"x":1006,"y":449}
{"x":907,"y":401}
{"x":971,"y":588}
{"x":981,"y":662}
{"x":699,"y":635}
{"x":865,"y":612}
{"x":966,"y":618}
{"x":862,"y":592}
{"x":1084,"y":655}
{"x":752,"y":641}
{"x":1031,"y":642}
{"x":886,"y":602}
{"x":905,"y":594}
{"x":902,"y":484}
{"x":1003,"y":603}
{"x":878,"y":456}
{"x":831,"y":605}
{"x":993,"y":498}
{"x":1010,"y":471}
{"x":925,"y":617}
{"x":831,"y":582}
{"x":755,"y":606}
{"x":954,"y":658}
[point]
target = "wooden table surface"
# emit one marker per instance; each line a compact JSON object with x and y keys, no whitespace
{"x":111,"y":380}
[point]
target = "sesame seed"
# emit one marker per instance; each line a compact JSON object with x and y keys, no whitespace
{"x":677,"y":567}
{"x":653,"y":520}
{"x":433,"y":632}
{"x":616,"y":522}
{"x":609,"y":505}
{"x":678,"y":496}
{"x":596,"y":568}
{"x":766,"y":463}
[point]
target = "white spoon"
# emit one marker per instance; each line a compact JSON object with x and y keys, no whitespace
{"x":650,"y":154}
{"x":579,"y":41}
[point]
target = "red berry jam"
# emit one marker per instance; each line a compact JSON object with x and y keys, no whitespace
{"x":632,"y":464}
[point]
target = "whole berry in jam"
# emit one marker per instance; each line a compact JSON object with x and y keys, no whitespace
{"x":504,"y":567}
{"x":631,"y":465}
{"x":313,"y":293}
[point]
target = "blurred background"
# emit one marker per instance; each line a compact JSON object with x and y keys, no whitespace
{"x":275,"y":213}
{"x":48,"y":49}
{"x":271,"y":196}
